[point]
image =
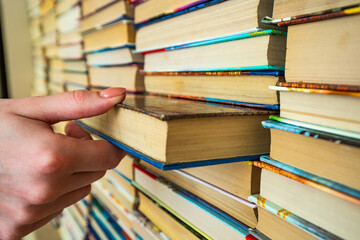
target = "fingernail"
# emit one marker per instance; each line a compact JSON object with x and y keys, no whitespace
{"x":112,"y":92}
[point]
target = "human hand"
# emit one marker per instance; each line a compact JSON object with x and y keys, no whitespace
{"x":42,"y":172}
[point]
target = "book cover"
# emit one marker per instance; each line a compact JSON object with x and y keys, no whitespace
{"x":320,"y":86}
{"x":256,"y":32}
{"x":292,"y":218}
{"x":317,"y":127}
{"x":316,"y":91}
{"x":320,"y":183}
{"x":166,"y":109}
{"x":314,"y":17}
{"x":338,"y":139}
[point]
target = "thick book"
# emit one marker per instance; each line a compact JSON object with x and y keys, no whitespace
{"x":150,"y":12}
{"x":71,"y":51}
{"x":221,"y":19}
{"x":317,"y":55}
{"x":114,"y":206}
{"x":145,"y":229}
{"x":290,"y":13}
{"x":69,"y":20}
{"x":304,"y":148}
{"x":174,"y":133}
{"x":109,"y":36}
{"x":114,"y":56}
{"x":92,"y":6}
{"x":115,"y":11}
{"x":247,"y":88}
{"x":168,"y":224}
{"x":323,"y":184}
{"x":259,"y":50}
{"x":334,"y":214}
{"x":127,"y":77}
{"x":336,"y":109}
{"x":205,"y":219}
{"x":278,"y":223}
{"x":65,"y":5}
{"x":219,"y":185}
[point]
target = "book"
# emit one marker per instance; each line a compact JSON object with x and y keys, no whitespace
{"x":112,"y":35}
{"x":117,"y":10}
{"x":167,"y":224}
{"x":308,"y":58}
{"x":76,"y":77}
{"x":75,"y":66}
{"x":288,"y":12}
{"x":225,"y":193}
{"x":333,"y":108}
{"x":71,"y":51}
{"x":125,"y":167}
{"x":278,"y":223}
{"x":145,"y":229}
{"x":316,"y":152}
{"x":69,"y":20}
{"x":173,"y":131}
{"x":92,"y":6}
{"x":198,"y":214}
{"x":249,"y":51}
{"x":70,"y":37}
{"x":236,"y":87}
{"x":109,"y":57}
{"x":220,"y":19}
{"x":113,"y":205}
{"x":122,"y":76}
{"x":147,"y":10}
{"x":65,"y":5}
{"x":323,"y":184}
{"x":311,"y":204}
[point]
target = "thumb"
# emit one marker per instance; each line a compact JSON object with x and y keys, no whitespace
{"x":70,"y":105}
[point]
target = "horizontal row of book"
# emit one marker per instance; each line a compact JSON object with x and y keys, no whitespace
{"x":203,"y":78}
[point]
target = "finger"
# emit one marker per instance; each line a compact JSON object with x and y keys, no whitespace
{"x":23,"y":231}
{"x":69,"y":106}
{"x":82,"y":179}
{"x":88,"y":155}
{"x":73,"y":129}
{"x":38,"y":212}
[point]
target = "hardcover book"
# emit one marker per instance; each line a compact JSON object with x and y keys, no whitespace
{"x":109,"y":36}
{"x":213,"y":20}
{"x":248,"y":88}
{"x":118,"y":76}
{"x":115,"y":11}
{"x":333,"y":108}
{"x":308,"y":58}
{"x":210,"y":184}
{"x":290,"y":13}
{"x":278,"y":223}
{"x":176,"y":132}
{"x":260,"y":50}
{"x":312,"y":204}
{"x":203,"y":217}
{"x":316,"y":152}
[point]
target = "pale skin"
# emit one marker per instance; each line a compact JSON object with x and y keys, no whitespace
{"x":42,"y":172}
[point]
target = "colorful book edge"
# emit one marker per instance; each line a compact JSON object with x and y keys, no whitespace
{"x":337,"y":139}
{"x":292,"y":218}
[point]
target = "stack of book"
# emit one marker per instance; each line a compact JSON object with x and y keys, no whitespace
{"x":310,"y":187}
{"x":73,"y":69}
{"x":39,"y":86}
{"x":109,"y":39}
{"x":240,"y":54}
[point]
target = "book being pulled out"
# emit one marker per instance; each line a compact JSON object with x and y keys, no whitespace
{"x":175,"y":133}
